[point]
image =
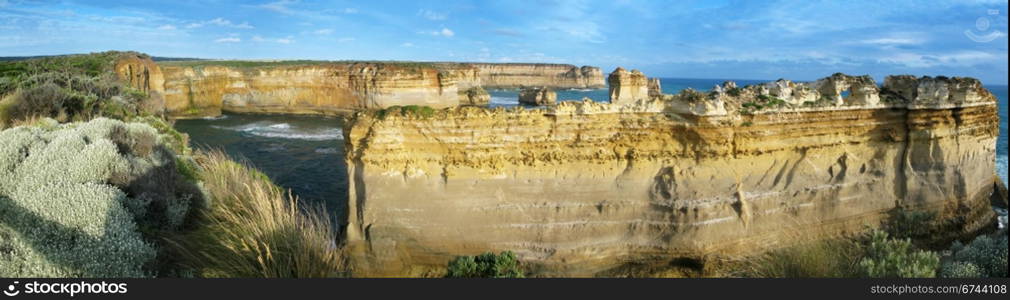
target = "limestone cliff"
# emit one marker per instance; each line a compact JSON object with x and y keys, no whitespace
{"x":338,"y":87}
{"x":315,"y":88}
{"x":140,"y":72}
{"x":590,"y":189}
{"x":516,"y":75}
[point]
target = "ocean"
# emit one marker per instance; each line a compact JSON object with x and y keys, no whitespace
{"x":305,"y":153}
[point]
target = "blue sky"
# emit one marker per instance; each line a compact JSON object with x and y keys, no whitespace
{"x":792,"y":39}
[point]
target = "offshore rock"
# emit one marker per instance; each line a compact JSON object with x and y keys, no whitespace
{"x":474,"y":96}
{"x":627,"y":87}
{"x":655,"y":89}
{"x":539,"y":96}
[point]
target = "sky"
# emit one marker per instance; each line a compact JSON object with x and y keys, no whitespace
{"x":793,"y":39}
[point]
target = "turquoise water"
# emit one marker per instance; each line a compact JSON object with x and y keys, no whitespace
{"x":305,"y":153}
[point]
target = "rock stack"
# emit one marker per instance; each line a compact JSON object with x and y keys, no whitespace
{"x":539,"y":96}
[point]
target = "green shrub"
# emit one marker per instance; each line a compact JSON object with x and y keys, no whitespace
{"x":691,"y":95}
{"x":70,"y":201}
{"x":735,"y":92}
{"x":487,"y":265}
{"x":986,"y":256}
{"x":960,"y":269}
{"x":887,"y":257}
{"x":68,"y":88}
{"x":911,"y":223}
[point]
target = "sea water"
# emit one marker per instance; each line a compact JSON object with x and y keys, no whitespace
{"x":302,"y":153}
{"x":306,"y":153}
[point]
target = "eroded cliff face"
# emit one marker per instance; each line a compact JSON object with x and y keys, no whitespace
{"x":320,"y":89}
{"x":593,"y":189}
{"x":516,"y":75}
{"x":333,"y":88}
{"x":140,"y":72}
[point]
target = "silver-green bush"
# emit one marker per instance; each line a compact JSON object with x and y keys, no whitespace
{"x":70,"y":204}
{"x":897,"y":258}
{"x":986,"y":256}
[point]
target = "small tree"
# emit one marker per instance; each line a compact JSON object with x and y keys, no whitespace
{"x":487,"y":265}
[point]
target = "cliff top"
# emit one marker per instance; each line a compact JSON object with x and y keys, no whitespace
{"x":392,"y":63}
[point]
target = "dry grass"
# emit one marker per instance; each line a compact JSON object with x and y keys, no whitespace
{"x":251,"y":228}
{"x":835,"y":258}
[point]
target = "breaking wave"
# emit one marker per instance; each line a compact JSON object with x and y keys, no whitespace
{"x":286,"y":131}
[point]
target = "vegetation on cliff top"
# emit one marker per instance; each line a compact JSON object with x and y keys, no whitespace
{"x":88,"y":200}
{"x":67,"y":88}
{"x":107,"y":198}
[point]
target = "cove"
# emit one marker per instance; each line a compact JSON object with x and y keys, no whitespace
{"x":301,"y":153}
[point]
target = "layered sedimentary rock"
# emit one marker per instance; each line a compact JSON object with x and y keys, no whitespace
{"x":317,"y":88}
{"x":627,"y":87}
{"x":655,"y":88}
{"x":539,"y":96}
{"x":330,"y":88}
{"x":593,"y":189}
{"x":140,"y":72}
{"x":516,"y":75}
{"x":474,"y":96}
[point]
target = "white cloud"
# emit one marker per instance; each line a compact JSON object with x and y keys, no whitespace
{"x":166,"y":27}
{"x":431,"y":15}
{"x":284,"y":40}
{"x":350,"y":10}
{"x":892,"y":41}
{"x":228,"y":40}
{"x":279,"y":6}
{"x":961,"y":58}
{"x":345,"y":40}
{"x":446,"y":32}
{"x":220,"y":22}
{"x":323,"y":31}
{"x":407,"y":45}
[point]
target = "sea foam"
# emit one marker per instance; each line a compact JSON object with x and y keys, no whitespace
{"x":286,"y":131}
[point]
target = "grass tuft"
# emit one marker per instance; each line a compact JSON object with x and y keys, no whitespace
{"x":252,"y":228}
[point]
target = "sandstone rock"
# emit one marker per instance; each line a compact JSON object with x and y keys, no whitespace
{"x":627,"y":87}
{"x":999,"y":193}
{"x":335,"y":88}
{"x":474,"y":96}
{"x":655,"y":90}
{"x":863,"y":91}
{"x":587,"y":188}
{"x":539,"y":96}
{"x":516,"y":75}
{"x":140,"y":72}
{"x":904,"y":88}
